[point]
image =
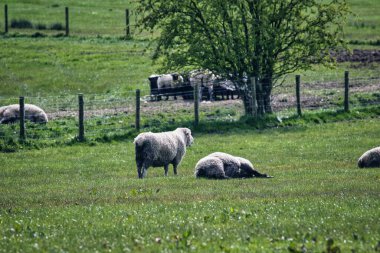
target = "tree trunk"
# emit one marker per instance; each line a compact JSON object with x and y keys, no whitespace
{"x":267,"y":91}
{"x":246,"y":96}
{"x":260,"y":98}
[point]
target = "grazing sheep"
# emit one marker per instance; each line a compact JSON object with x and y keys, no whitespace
{"x":166,"y":84}
{"x":220,"y":165}
{"x":370,"y":159}
{"x":161,"y":149}
{"x":11,"y":113}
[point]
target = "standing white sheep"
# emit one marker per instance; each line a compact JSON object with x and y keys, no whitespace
{"x":161,"y":149}
{"x":11,"y":113}
{"x":204,"y":78}
{"x":220,"y":165}
{"x":370,"y":159}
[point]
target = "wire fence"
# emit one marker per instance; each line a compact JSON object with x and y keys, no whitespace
{"x":82,"y":19}
{"x":107,"y":117}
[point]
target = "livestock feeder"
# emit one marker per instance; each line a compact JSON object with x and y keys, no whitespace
{"x":168,"y":85}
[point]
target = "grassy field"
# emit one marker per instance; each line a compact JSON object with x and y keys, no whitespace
{"x":97,"y":58}
{"x":108,"y":17}
{"x":57,"y":195}
{"x":88,"y":199}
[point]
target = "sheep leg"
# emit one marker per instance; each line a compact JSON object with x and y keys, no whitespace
{"x":166,"y":168}
{"x":142,"y":170}
{"x":139,"y":172}
{"x":175,"y":169}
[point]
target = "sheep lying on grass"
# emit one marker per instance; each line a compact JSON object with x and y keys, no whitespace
{"x":11,"y":113}
{"x":220,"y":165}
{"x":370,"y":159}
{"x":161,"y":149}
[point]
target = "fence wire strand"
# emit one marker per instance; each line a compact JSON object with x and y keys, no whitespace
{"x":108,"y":114}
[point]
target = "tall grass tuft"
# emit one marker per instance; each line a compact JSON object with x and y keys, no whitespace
{"x":21,"y":23}
{"x":40,"y":26}
{"x":57,"y":26}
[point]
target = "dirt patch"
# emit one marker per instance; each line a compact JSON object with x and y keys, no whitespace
{"x":357,"y":55}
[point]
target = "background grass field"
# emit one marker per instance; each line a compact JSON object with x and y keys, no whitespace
{"x":97,"y":58}
{"x":84,"y":198}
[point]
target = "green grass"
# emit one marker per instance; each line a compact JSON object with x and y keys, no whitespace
{"x":116,"y":127}
{"x":98,"y":59}
{"x":364,"y":23}
{"x":87,"y":18}
{"x":88,"y":199}
{"x":108,"y":17}
{"x":47,"y":66}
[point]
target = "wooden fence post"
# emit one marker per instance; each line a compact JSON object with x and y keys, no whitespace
{"x":67,"y":20}
{"x":260,"y":101}
{"x":254,"y":82}
{"x":298,"y":94}
{"x":346,"y":91}
{"x":81,"y":118}
{"x":196,"y":105}
{"x":128,"y":29}
{"x":6,"y":18}
{"x":22,"y":118}
{"x":137,"y":110}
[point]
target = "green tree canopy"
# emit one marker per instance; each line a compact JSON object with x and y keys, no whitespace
{"x":237,"y":38}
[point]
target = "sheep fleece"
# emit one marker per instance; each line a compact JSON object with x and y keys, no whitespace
{"x":161,"y":149}
{"x":220,"y":165}
{"x":11,"y":113}
{"x":370,"y":159}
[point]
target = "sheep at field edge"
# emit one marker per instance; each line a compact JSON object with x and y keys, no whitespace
{"x":370,"y":159}
{"x":220,"y":165}
{"x":11,"y":113}
{"x":161,"y":149}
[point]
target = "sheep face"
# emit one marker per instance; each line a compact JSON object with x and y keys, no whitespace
{"x":188,"y":137}
{"x":153,"y":81}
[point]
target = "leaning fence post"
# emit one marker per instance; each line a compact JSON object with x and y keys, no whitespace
{"x":81,"y":117}
{"x":67,"y":20}
{"x":298,"y":94}
{"x":346,"y":91}
{"x":196,"y":105}
{"x":22,"y":118}
{"x":128,"y":29}
{"x":6,"y":18}
{"x":137,"y":123}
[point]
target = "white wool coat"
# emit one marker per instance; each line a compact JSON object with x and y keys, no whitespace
{"x":11,"y":113}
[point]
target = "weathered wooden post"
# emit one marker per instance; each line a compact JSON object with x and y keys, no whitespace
{"x":6,"y":18}
{"x":137,"y":123}
{"x":298,"y":94}
{"x":22,"y":118}
{"x":254,"y":81}
{"x":127,"y":29}
{"x":196,"y":105}
{"x":81,"y":118}
{"x":346,"y":91}
{"x":260,"y":101}
{"x":67,"y":20}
